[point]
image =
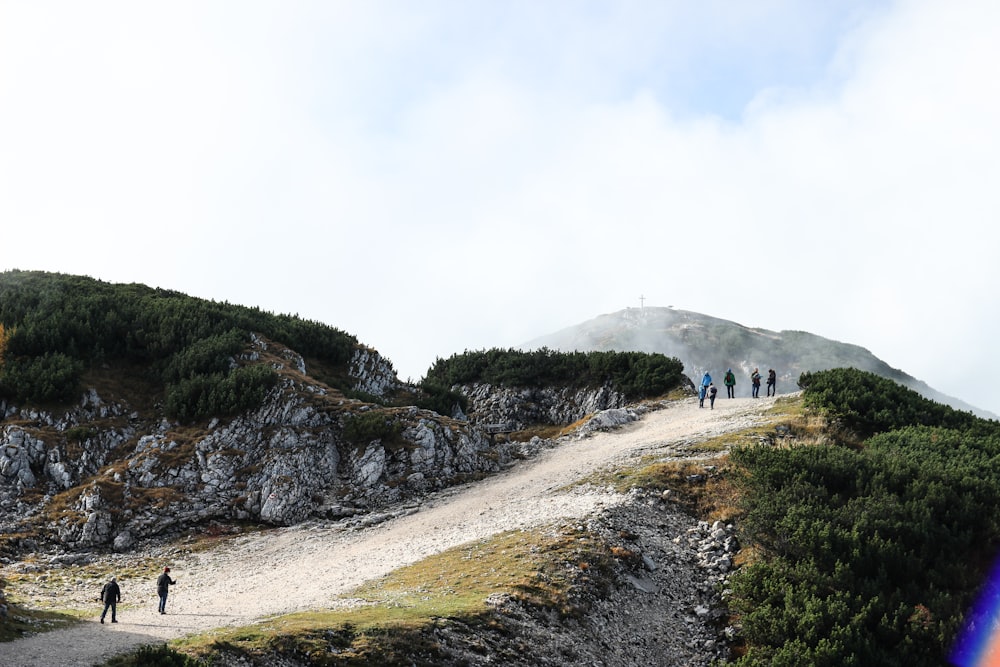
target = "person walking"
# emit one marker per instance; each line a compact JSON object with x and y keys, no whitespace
{"x":730,"y":382}
{"x":163,"y":584}
{"x":712,"y":389}
{"x":772,"y":380}
{"x":755,"y":383}
{"x":111,"y":595}
{"x":706,"y":380}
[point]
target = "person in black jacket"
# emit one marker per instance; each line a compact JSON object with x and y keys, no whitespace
{"x":111,"y":595}
{"x":163,"y":583}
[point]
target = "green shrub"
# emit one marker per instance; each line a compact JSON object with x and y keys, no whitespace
{"x":218,"y":394}
{"x":635,"y":374}
{"x":441,"y":399}
{"x":868,"y":403}
{"x":365,"y":427}
{"x":213,"y":354}
{"x":52,"y":377}
{"x":870,"y":555}
{"x":80,"y":433}
{"x":155,"y":656}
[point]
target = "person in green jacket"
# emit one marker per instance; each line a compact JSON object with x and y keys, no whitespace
{"x":730,"y":382}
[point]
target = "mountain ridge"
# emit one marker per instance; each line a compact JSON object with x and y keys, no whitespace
{"x":707,"y":343}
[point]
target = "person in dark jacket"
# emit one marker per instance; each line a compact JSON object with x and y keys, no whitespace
{"x":111,"y":595}
{"x":730,"y":382}
{"x":755,"y":384}
{"x":772,"y":379}
{"x":163,"y":584}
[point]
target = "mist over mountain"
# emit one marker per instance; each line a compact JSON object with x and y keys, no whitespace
{"x":705,"y":343}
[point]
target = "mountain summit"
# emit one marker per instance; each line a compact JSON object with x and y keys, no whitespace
{"x":709,"y":344}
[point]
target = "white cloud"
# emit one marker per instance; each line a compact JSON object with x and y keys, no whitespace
{"x":445,"y":176}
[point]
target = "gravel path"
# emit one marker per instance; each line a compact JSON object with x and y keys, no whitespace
{"x":309,"y":566}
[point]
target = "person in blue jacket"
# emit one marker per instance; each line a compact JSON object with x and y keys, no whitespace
{"x":706,"y":381}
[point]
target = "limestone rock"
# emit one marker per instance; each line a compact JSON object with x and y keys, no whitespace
{"x":281,"y":463}
{"x":526,"y":406}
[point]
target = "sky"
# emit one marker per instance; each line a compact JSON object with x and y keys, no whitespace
{"x":441,"y":176}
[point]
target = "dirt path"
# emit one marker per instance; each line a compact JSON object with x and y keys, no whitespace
{"x":308,"y":566}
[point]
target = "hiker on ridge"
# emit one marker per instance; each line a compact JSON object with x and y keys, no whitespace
{"x":772,"y":379}
{"x":755,"y":383}
{"x":730,"y":382}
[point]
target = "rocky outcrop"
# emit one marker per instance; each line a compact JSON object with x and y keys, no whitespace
{"x":18,"y":454}
{"x":519,"y":408}
{"x":374,"y":373}
{"x":42,"y":449}
{"x":107,"y":478}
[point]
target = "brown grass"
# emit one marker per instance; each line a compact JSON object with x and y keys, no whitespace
{"x":119,"y":379}
{"x":159,"y":497}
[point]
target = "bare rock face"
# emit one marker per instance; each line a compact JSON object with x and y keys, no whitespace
{"x":522,"y":407}
{"x":18,"y":452}
{"x":375,"y":375}
{"x":108,"y":479}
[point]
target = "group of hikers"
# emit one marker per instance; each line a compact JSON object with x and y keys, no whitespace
{"x":111,"y":594}
{"x":709,"y":390}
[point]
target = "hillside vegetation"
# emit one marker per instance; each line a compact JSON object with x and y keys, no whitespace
{"x":636,"y":375}
{"x":870,"y":547}
{"x":53,"y":327}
